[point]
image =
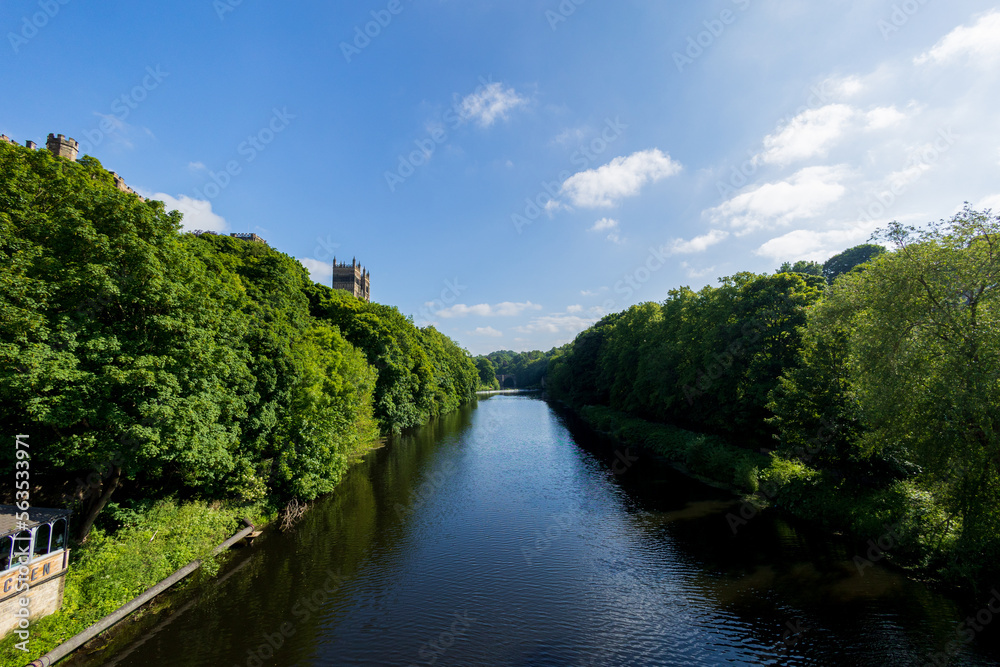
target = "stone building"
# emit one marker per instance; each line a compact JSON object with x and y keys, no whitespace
{"x":352,"y":278}
{"x":66,"y":147}
{"x":34,"y":555}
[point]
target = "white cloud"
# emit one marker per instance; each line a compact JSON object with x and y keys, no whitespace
{"x":556,"y":323}
{"x":880,"y":118}
{"x":697,"y":273}
{"x":197,"y":166}
{"x":622,"y":177}
{"x":198,"y":213}
{"x":588,"y":292}
{"x":505,"y":309}
{"x":815,"y":131}
{"x":847,"y":86}
{"x":698,"y":243}
{"x":979,"y":43}
{"x":487,"y":331}
{"x":805,"y":194}
{"x":570,"y":135}
{"x":320,"y":272}
{"x":991,"y":202}
{"x":815,"y":245}
{"x":604,"y":224}
{"x":809,"y":134}
{"x":574,"y":309}
{"x":490,"y":103}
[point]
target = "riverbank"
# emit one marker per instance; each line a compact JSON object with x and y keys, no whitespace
{"x":901,"y":521}
{"x":110,"y":569}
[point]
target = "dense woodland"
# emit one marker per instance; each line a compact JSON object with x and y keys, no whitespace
{"x":874,"y":378}
{"x":145,"y":363}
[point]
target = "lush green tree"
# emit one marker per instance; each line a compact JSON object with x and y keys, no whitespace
{"x":924,"y":361}
{"x":843,"y":262}
{"x":421,"y":373}
{"x":487,"y":373}
{"x":903,"y":357}
{"x":117,"y":348}
{"x":147,"y":363}
{"x":802,"y":266}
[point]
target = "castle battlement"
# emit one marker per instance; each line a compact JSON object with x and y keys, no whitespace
{"x":62,"y":146}
{"x":352,"y":278}
{"x":67,"y":147}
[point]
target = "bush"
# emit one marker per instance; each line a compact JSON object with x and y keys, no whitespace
{"x":108,"y":571}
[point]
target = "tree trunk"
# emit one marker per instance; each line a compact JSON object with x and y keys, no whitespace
{"x":98,"y":503}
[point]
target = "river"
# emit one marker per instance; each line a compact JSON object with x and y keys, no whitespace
{"x":505,"y":535}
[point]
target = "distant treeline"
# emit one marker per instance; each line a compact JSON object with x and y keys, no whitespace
{"x":874,"y":378}
{"x":147,"y":363}
{"x":525,"y":369}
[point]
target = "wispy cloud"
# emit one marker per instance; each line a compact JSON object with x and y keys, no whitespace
{"x":610,"y":226}
{"x":814,"y":132}
{"x":698,"y":243}
{"x":978,"y":44}
{"x":557,"y":323}
{"x":489,"y":332}
{"x":805,"y":194}
{"x":504,"y":309}
{"x":493,"y":101}
{"x":623,"y":177}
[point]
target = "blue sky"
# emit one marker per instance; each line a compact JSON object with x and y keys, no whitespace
{"x":511,"y":171}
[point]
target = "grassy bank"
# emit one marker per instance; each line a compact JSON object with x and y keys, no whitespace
{"x":917,"y":528}
{"x":109,"y":570}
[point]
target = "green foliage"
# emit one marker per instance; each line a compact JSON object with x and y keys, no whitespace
{"x":846,"y":261}
{"x":155,"y":364}
{"x":882,"y":390}
{"x":528,"y":367}
{"x":107,"y":571}
{"x":705,"y":360}
{"x":421,"y":372}
{"x":487,"y":373}
{"x":802,"y":266}
{"x":903,"y":357}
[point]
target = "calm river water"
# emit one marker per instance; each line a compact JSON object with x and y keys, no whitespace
{"x":503,"y":535}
